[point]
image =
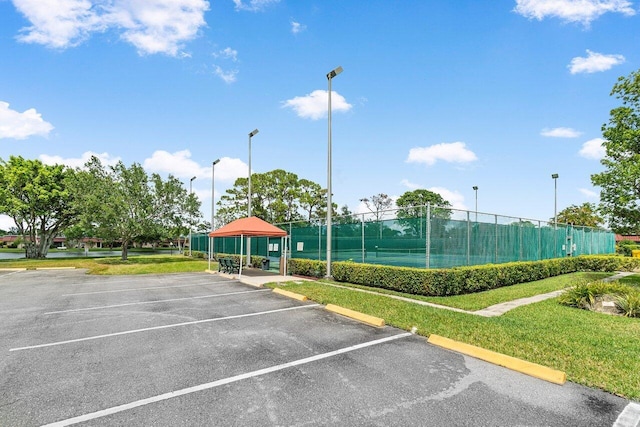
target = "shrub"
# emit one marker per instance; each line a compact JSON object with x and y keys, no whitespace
{"x":459,"y":280}
{"x":629,"y":304}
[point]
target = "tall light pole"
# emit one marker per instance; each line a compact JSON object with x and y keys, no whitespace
{"x":190,"y":190}
{"x":213,"y":186}
{"x":330,"y":76}
{"x":555,"y":199}
{"x":475,"y":188}
{"x":251,"y":135}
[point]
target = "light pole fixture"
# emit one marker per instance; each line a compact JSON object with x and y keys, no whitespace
{"x":251,"y":135}
{"x":213,"y":186}
{"x":475,"y":188}
{"x":190,"y":218}
{"x":330,"y":77}
{"x":555,"y":199}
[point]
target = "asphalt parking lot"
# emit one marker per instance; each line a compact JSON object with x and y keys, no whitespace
{"x":198,"y":349}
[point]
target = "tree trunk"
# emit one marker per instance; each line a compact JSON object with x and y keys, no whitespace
{"x":125,"y":250}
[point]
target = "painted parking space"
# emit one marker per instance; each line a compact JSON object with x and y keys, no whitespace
{"x":196,"y":349}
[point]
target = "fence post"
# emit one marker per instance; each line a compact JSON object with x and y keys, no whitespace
{"x":362,"y":228}
{"x":496,"y":239}
{"x":468,"y":240}
{"x":539,"y":241}
{"x":428,"y":235}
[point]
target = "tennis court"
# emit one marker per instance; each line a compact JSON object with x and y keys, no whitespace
{"x":198,"y":349}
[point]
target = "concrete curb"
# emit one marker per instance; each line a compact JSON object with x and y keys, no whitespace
{"x":13,"y":269}
{"x":55,"y":268}
{"x":365,"y":318}
{"x":290,"y":294}
{"x":519,"y":365}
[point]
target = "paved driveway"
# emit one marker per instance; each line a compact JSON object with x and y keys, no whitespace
{"x":199,"y":349}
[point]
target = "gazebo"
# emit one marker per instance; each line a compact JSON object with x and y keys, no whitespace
{"x":249,"y":227}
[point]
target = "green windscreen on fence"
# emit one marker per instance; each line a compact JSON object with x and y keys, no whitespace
{"x":439,"y":238}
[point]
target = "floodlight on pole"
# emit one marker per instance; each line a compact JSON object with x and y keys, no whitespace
{"x":190,"y":218}
{"x":555,"y":199}
{"x":213,"y":192}
{"x":251,"y":135}
{"x":330,"y":76}
{"x":475,"y":188}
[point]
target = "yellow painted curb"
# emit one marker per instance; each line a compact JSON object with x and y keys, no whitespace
{"x":13,"y":269}
{"x":55,"y":268}
{"x":371,"y":320}
{"x":290,"y":294}
{"x":519,"y":365}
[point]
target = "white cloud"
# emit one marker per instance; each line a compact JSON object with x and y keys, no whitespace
{"x":226,"y":76}
{"x":78,"y":162}
{"x":297,"y":27}
{"x":594,"y":62}
{"x":560,"y":133}
{"x":589,"y":193}
{"x":593,"y":149}
{"x":410,"y":185}
{"x":315,"y":105}
{"x":152,"y":26}
{"x":253,"y":5}
{"x":456,"y":199}
{"x":21,"y":125}
{"x":582,"y":11}
{"x":180,"y":165}
{"x":228,"y":170}
{"x":454,"y":152}
{"x":227,"y":53}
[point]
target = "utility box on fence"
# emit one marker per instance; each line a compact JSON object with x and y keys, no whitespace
{"x":635,"y":253}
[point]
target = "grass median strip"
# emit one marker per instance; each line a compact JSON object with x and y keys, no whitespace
{"x":593,"y":349}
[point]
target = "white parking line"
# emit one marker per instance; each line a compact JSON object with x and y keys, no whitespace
{"x":155,"y":328}
{"x":155,"y":302}
{"x":194,"y":389}
{"x":629,"y":417}
{"x":144,"y":289}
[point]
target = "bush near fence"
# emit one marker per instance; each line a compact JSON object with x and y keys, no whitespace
{"x":458,"y":280}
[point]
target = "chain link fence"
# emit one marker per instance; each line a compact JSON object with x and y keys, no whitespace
{"x":436,"y":238}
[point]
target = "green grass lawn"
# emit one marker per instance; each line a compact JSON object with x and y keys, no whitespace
{"x":480,"y":300}
{"x":594,"y":349}
{"x":143,"y":264}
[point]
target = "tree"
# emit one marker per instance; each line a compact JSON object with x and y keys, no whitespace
{"x":412,"y":204}
{"x":37,"y":197}
{"x":276,"y":196}
{"x":120,"y":203}
{"x":620,"y":181}
{"x":584,"y":215}
{"x":377,"y":204}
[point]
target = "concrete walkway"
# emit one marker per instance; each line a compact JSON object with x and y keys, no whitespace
{"x":258,"y":278}
{"x":499,"y":309}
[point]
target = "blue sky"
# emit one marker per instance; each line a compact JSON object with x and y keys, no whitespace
{"x":443,"y":95}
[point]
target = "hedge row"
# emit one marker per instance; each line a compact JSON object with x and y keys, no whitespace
{"x":458,"y":280}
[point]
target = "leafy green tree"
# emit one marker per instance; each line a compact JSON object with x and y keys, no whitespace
{"x":120,"y":203}
{"x":413,"y":205}
{"x":585,"y":215}
{"x":620,"y":181}
{"x":37,"y":197}
{"x":277,"y":196}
